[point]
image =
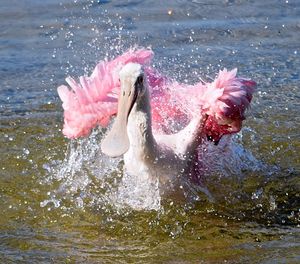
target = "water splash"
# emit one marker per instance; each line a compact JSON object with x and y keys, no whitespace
{"x":230,"y":158}
{"x":89,"y":178}
{"x":137,"y":192}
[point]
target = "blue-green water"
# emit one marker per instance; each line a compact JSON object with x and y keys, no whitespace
{"x":56,"y":196}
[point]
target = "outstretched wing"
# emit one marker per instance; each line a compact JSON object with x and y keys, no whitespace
{"x":93,"y":100}
{"x":224,"y":101}
{"x":227,"y":110}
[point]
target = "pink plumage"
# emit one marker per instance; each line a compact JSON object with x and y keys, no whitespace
{"x":93,"y":100}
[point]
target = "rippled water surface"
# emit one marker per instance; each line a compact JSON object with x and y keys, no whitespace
{"x":59,"y":198}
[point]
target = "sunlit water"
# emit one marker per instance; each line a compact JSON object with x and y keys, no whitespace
{"x":63,"y":201}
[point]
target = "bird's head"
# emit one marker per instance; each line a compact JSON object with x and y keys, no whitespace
{"x":116,"y":142}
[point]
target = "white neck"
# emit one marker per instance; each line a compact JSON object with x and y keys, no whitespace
{"x":139,"y":128}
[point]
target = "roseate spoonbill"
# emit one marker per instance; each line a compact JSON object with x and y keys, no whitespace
{"x":159,"y":123}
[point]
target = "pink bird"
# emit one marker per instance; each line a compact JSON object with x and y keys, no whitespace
{"x":159,"y":123}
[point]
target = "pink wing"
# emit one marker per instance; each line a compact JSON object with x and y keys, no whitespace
{"x":93,"y":100}
{"x":224,"y":101}
{"x":227,"y":112}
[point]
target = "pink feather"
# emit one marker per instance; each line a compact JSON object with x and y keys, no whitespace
{"x":93,"y":100}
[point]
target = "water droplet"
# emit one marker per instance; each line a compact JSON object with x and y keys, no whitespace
{"x":26,"y":151}
{"x":79,"y":202}
{"x":257,"y":194}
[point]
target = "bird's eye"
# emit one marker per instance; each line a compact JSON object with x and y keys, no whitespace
{"x":140,"y":80}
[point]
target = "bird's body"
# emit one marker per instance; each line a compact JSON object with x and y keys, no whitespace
{"x":148,"y":107}
{"x":154,"y":156}
{"x":161,"y":156}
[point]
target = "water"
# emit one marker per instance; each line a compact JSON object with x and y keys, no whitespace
{"x":56,"y":196}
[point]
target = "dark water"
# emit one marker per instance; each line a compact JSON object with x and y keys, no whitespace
{"x":53,"y":193}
